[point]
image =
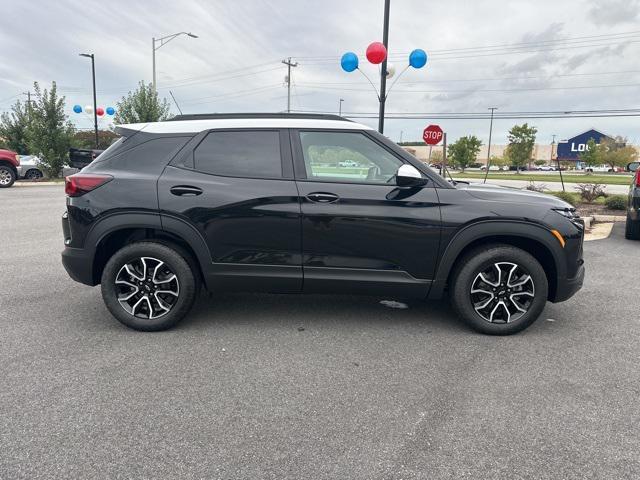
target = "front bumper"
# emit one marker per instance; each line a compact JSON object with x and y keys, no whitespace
{"x":567,"y":287}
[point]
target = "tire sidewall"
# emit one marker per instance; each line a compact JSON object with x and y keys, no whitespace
{"x":176,"y":263}
{"x":480,"y":261}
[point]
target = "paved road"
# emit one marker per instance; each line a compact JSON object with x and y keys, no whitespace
{"x":239,"y":391}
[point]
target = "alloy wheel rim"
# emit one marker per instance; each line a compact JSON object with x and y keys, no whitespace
{"x":5,"y":177}
{"x":502,"y":293}
{"x":147,"y":288}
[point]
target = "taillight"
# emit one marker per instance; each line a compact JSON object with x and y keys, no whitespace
{"x":81,"y":183}
{"x":638,"y":178}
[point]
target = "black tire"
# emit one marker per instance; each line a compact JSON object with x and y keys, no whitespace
{"x":33,"y":174}
{"x":632,"y":229}
{"x":7,"y":176}
{"x":483,"y":259}
{"x":185,"y":285}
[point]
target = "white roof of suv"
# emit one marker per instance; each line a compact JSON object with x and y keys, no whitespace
{"x":198,"y":125}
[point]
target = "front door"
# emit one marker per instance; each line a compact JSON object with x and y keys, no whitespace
{"x":237,"y":190}
{"x":360,"y":232}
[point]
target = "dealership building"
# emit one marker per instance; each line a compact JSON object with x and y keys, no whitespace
{"x":566,"y":150}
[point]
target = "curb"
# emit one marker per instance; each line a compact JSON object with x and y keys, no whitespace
{"x":609,"y":218}
{"x":35,"y":184}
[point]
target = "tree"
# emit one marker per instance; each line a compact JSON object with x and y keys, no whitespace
{"x":464,"y":151}
{"x":539,"y":163}
{"x":87,"y":139}
{"x":500,"y":161}
{"x":616,"y":153}
{"x":522,"y":138}
{"x":14,"y":128}
{"x":592,"y":155}
{"x":141,"y":106}
{"x":50,"y":132}
{"x":436,"y":156}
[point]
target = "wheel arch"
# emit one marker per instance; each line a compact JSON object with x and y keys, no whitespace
{"x":532,"y":238}
{"x":7,"y":163}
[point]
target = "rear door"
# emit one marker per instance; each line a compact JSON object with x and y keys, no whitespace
{"x":236,"y":189}
{"x":360,"y":232}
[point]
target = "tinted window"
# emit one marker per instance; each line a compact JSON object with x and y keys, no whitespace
{"x":254,"y":154}
{"x":347,"y":157}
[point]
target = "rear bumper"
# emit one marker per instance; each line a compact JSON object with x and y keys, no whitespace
{"x":568,"y":287}
{"x":78,"y":265}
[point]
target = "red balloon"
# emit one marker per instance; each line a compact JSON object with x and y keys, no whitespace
{"x":376,"y":52}
{"x":99,"y":111}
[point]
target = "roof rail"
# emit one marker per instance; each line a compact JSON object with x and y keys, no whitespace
{"x":226,"y":116}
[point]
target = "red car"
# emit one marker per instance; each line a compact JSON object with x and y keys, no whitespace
{"x":9,"y":161}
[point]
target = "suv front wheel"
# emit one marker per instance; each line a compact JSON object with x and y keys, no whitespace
{"x":499,"y":289}
{"x":148,"y":286}
{"x":7,"y":176}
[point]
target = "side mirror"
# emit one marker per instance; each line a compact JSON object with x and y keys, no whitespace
{"x":633,"y":166}
{"x":409,"y":176}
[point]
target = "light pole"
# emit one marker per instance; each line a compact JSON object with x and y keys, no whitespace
{"x":383,"y":69}
{"x":163,"y":41}
{"x":93,"y":74}
{"x":486,"y":174}
{"x":340,"y":107}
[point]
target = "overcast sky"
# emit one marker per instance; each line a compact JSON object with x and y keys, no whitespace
{"x":234,"y":65}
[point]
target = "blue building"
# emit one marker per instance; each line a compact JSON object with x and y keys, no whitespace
{"x":568,"y":150}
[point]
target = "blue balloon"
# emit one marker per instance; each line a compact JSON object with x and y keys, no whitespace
{"x":77,"y":108}
{"x":418,"y":58}
{"x":349,"y":62}
{"x":110,"y":110}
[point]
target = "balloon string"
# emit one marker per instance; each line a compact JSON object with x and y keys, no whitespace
{"x":374,"y":87}
{"x":394,"y":82}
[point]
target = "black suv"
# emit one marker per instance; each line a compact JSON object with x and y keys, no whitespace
{"x":306,"y":204}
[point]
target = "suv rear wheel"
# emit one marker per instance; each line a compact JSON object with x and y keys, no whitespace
{"x":7,"y":176}
{"x":632,"y":229}
{"x":148,"y":286}
{"x":499,"y":289}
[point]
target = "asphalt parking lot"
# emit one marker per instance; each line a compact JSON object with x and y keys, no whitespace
{"x":319,"y":387}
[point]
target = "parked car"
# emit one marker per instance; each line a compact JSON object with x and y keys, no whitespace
{"x":81,"y":157}
{"x":29,"y":168}
{"x":347,"y":163}
{"x":599,"y":169}
{"x":237,"y":203}
{"x":546,"y":168}
{"x":632,"y":230}
{"x":9,"y":163}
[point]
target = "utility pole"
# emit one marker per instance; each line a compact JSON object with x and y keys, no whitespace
{"x":383,"y":70}
{"x":28,"y":94}
{"x":553,"y":143}
{"x":340,"y":107}
{"x":163,"y":41}
{"x":400,"y":136}
{"x":95,"y":105}
{"x":289,"y":64}
{"x":489,"y":144}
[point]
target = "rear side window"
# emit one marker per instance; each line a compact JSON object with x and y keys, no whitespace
{"x":253,"y":154}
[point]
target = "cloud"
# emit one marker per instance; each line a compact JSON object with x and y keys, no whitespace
{"x":614,"y":12}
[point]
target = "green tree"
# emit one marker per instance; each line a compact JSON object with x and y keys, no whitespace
{"x":592,"y":155}
{"x":142,"y":105}
{"x":522,"y":138}
{"x":50,"y":132}
{"x":464,"y":151}
{"x":616,"y":153}
{"x":14,"y":128}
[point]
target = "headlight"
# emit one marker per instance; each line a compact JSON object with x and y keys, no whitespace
{"x":572,"y":215}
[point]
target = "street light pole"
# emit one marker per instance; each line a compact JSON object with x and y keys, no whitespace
{"x":486,"y":174}
{"x":163,"y":41}
{"x":95,"y":105}
{"x":383,"y":70}
{"x":340,"y":107}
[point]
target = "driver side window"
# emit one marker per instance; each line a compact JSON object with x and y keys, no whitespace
{"x":346,"y":157}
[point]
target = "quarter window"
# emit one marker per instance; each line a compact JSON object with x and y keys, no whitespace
{"x":253,"y":154}
{"x":347,"y":157}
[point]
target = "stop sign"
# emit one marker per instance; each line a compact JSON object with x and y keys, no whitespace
{"x":432,"y":135}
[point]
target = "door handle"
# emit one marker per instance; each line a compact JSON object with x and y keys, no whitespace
{"x":323,"y":197}
{"x":185,"y":191}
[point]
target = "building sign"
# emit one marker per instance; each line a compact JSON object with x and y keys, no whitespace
{"x":570,"y":149}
